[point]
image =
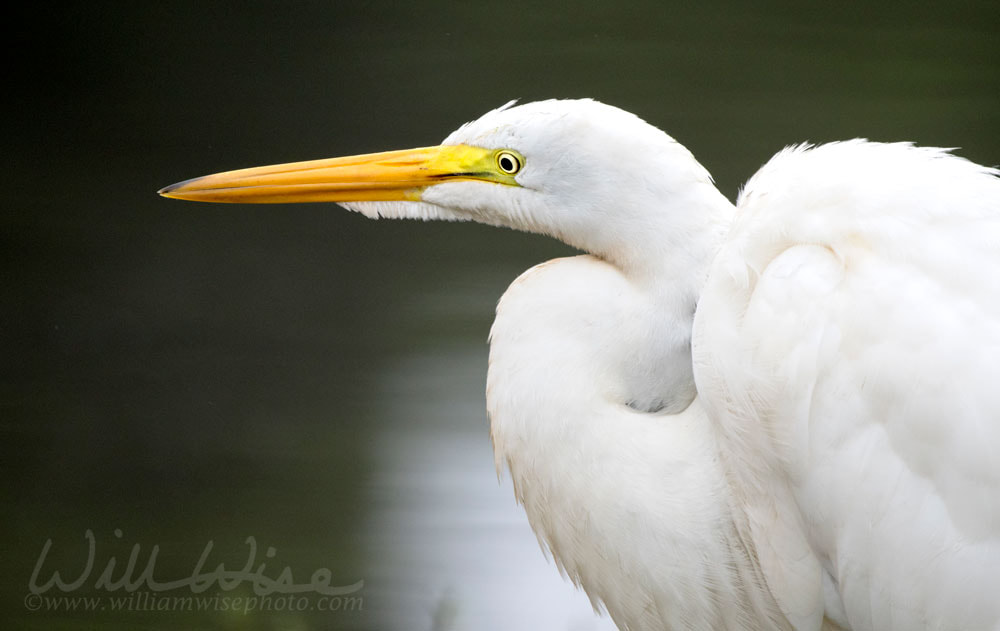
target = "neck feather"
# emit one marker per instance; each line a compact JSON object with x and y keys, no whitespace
{"x":633,"y":506}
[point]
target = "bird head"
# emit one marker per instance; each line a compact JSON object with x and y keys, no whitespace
{"x":589,"y":174}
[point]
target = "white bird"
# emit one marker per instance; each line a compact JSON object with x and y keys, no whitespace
{"x":779,"y":415}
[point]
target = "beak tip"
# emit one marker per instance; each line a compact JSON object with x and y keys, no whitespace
{"x":170,"y":191}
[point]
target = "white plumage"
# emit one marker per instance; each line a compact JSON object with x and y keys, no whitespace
{"x":856,"y":299}
{"x":779,"y":415}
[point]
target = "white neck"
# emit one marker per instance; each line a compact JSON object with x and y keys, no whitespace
{"x":633,"y":505}
{"x":666,"y":261}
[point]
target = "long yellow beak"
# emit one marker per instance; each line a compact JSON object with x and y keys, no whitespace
{"x":388,"y":176}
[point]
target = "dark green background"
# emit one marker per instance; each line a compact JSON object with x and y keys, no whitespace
{"x":299,"y":374}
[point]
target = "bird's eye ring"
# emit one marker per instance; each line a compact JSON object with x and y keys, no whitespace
{"x":508,"y":162}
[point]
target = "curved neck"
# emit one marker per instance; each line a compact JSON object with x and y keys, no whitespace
{"x":671,"y":249}
{"x":667,"y":263}
{"x":634,"y":506}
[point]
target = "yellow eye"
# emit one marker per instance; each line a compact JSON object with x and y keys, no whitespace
{"x":508,"y":162}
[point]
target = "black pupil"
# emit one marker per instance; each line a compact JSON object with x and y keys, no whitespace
{"x":507,"y":163}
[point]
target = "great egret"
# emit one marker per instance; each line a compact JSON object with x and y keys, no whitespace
{"x":783,"y":414}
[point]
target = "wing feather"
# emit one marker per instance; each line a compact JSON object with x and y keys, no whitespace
{"x":848,"y":343}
